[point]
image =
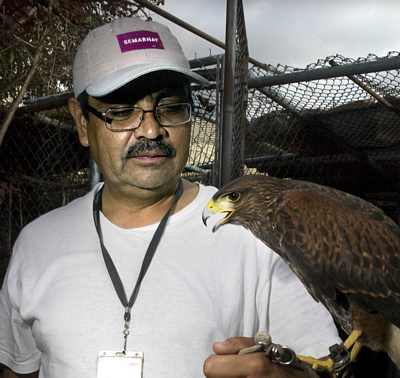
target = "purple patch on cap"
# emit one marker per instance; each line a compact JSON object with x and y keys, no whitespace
{"x":138,"y":40}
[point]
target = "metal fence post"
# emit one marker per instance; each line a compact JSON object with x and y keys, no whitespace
{"x":226,"y":133}
{"x":219,"y":82}
{"x":231,"y":140}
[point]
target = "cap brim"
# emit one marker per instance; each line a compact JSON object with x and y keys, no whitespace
{"x":118,"y":79}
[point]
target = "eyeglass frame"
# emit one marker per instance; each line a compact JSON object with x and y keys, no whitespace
{"x":108,"y":121}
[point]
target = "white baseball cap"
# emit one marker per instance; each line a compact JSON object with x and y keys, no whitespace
{"x":114,"y":54}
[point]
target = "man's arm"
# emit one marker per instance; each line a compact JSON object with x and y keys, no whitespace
{"x":6,"y":373}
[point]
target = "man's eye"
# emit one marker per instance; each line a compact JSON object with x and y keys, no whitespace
{"x":122,"y":113}
{"x":172,"y":108}
{"x":165,"y":101}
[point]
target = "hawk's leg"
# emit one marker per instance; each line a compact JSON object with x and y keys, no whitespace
{"x":319,"y":364}
{"x":339,"y":356}
{"x":352,"y":343}
{"x":355,"y":350}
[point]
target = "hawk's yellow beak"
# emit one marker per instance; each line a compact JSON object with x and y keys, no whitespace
{"x":220,"y":211}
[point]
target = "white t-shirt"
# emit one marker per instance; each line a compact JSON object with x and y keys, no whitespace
{"x":58,"y":307}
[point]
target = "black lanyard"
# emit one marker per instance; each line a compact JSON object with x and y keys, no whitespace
{"x":151,"y":249}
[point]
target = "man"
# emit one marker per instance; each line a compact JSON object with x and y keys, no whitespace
{"x":66,"y":307}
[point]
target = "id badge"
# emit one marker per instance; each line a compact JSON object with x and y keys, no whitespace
{"x":122,"y":365}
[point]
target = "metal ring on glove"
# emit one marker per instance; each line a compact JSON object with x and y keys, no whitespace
{"x":281,"y":355}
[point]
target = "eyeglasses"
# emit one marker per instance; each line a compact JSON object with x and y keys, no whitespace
{"x":127,"y":118}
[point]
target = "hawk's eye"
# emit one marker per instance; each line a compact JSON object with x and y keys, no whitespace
{"x":234,"y":196}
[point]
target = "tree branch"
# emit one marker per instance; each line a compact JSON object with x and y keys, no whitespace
{"x":10,"y":114}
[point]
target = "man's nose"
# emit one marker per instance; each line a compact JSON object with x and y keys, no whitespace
{"x":149,"y":127}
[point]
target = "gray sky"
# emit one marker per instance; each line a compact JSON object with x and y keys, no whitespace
{"x":295,"y":32}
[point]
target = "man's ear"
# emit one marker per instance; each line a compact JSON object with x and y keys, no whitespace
{"x":80,"y":120}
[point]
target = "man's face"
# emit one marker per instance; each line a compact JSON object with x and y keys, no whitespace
{"x":150,"y":156}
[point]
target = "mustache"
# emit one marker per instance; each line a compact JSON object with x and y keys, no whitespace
{"x":145,"y":145}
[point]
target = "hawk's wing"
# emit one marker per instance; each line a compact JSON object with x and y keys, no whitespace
{"x":340,"y":244}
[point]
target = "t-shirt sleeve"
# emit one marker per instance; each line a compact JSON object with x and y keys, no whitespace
{"x":295,"y":318}
{"x":18,"y":349}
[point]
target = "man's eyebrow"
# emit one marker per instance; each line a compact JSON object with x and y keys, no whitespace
{"x":171,"y":92}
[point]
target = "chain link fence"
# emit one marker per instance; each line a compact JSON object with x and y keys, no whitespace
{"x":331,"y":131}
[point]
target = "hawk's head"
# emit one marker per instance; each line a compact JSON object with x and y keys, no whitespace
{"x":244,"y":201}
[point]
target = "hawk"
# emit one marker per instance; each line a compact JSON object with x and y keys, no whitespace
{"x":345,"y":251}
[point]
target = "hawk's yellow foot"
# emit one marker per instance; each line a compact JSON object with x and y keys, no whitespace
{"x":319,"y":364}
{"x":340,"y":355}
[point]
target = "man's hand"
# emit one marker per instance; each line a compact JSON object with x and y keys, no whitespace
{"x":226,"y":363}
{"x":6,"y":373}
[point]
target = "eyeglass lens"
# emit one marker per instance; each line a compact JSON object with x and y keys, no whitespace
{"x":131,"y":117}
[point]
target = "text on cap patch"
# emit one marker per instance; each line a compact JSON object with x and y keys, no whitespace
{"x":139,"y":40}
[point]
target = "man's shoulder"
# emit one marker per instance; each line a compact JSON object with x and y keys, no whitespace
{"x":192,"y":210}
{"x":205,"y":193}
{"x":70,"y":216}
{"x":209,"y":188}
{"x":54,"y":234}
